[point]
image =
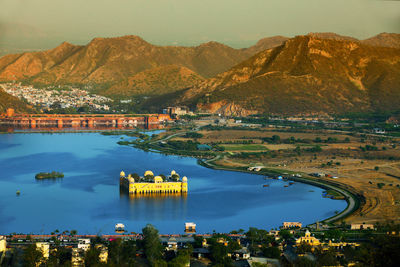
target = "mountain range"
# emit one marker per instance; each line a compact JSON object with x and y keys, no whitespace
{"x":314,"y":73}
{"x":306,"y":75}
{"x":118,"y":62}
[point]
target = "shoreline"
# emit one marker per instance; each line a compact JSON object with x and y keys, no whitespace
{"x":353,"y":201}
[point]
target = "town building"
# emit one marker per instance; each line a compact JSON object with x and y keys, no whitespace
{"x":308,"y":239}
{"x":103,"y":255}
{"x":176,"y":111}
{"x":78,"y":257}
{"x":338,"y":245}
{"x":361,"y":226}
{"x":200,"y":253}
{"x":84,"y":244}
{"x":240,"y":254}
{"x":3,"y":244}
{"x":172,"y":244}
{"x":379,"y":131}
{"x":44,"y":247}
{"x":287,"y":225}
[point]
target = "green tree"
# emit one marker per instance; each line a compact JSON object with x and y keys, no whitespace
{"x":303,"y":248}
{"x":304,"y":262}
{"x":258,"y":237}
{"x":60,"y":257}
{"x":334,"y":234}
{"x":327,"y":259}
{"x":152,"y":245}
{"x":219,"y":254}
{"x":198,"y":241}
{"x":285,"y":234}
{"x":182,"y":259}
{"x":122,"y":253}
{"x":271,"y":252}
{"x":276,"y":139}
{"x":92,"y":257}
{"x":233,"y":246}
{"x":32,"y":256}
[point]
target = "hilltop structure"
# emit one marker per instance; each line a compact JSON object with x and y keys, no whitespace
{"x":148,"y":183}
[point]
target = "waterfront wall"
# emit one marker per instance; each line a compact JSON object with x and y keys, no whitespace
{"x":80,"y":120}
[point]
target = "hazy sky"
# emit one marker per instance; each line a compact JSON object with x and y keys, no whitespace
{"x":185,"y":22}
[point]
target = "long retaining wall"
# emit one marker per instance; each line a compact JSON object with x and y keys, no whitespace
{"x":80,"y":120}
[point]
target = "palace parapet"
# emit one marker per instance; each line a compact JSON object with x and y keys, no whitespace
{"x":150,"y":184}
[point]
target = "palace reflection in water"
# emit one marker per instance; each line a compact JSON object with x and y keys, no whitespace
{"x":157,"y":204}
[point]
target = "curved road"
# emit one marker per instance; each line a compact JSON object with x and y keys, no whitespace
{"x":351,"y":203}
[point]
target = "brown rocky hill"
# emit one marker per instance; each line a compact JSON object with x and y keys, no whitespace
{"x":264,"y":44}
{"x":26,"y":65}
{"x":384,"y":39}
{"x":156,"y":81}
{"x":9,"y":101}
{"x":306,"y":75}
{"x":116,"y":61}
{"x":332,"y":36}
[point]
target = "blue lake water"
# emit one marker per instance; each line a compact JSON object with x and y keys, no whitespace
{"x":88,"y":199}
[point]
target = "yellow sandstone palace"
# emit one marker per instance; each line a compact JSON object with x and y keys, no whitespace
{"x":148,"y":183}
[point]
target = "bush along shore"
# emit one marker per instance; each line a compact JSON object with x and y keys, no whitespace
{"x":49,"y":175}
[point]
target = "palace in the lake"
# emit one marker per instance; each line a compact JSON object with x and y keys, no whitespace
{"x":148,"y":183}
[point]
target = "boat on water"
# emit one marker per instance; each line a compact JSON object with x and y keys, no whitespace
{"x":291,"y":183}
{"x":266,"y":185}
{"x":286,"y":185}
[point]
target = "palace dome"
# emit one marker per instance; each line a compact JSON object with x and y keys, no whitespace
{"x":122,"y":174}
{"x":158,"y":179}
{"x":173,"y":172}
{"x":148,"y":173}
{"x":184,"y":179}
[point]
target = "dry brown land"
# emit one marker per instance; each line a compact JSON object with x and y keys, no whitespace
{"x":352,"y":166}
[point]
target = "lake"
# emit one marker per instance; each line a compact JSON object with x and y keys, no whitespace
{"x":88,"y":198}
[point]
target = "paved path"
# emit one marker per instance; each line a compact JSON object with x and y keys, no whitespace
{"x":350,"y":206}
